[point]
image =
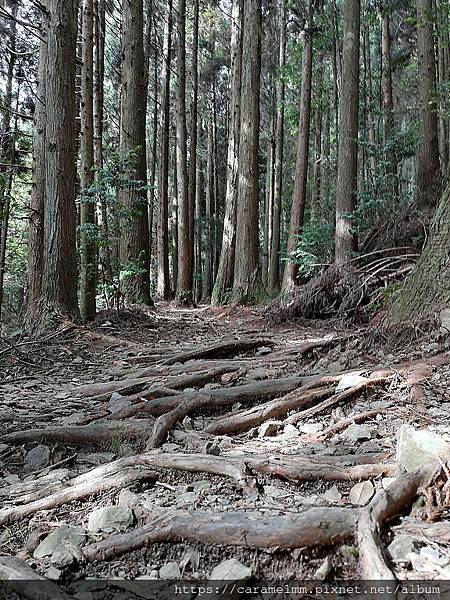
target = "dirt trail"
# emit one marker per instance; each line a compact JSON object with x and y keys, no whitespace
{"x":219,"y":436}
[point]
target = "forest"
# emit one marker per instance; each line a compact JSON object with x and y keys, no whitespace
{"x":224,"y":296}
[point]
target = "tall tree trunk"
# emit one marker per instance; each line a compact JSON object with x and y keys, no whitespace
{"x":388,"y":99}
{"x":247,"y":285}
{"x":192,"y":183}
{"x":7,"y":145}
{"x":88,"y":279}
{"x":346,"y":190}
{"x":428,"y":178}
{"x":301,"y":169}
{"x":443,"y":75}
{"x":133,"y":197}
{"x":210,"y":194}
{"x":274,"y":257}
{"x":318,"y":121}
{"x":163,"y":279}
{"x":184,"y":280}
{"x":369,"y":100}
{"x":59,"y":283}
{"x":99,"y":94}
{"x":225,"y":270}
{"x":36,"y":222}
{"x":198,"y":232}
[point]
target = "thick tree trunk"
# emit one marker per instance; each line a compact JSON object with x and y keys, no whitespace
{"x":88,"y":279}
{"x":192,"y":184}
{"x":225,"y":270}
{"x":346,"y":190}
{"x":184,"y":279}
{"x":428,"y":177}
{"x":36,"y":223}
{"x":133,"y":197}
{"x":163,"y":279}
{"x":59,"y":283}
{"x":301,"y":169}
{"x":274,"y":257}
{"x":247,"y":285}
{"x":210,"y":194}
{"x":427,"y":289}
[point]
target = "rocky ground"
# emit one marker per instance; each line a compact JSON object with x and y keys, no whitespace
{"x":188,"y":445}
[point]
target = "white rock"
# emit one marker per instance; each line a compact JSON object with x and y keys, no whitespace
{"x":350,"y":380}
{"x":290,"y":431}
{"x":311,"y":427}
{"x":356,"y":432}
{"x":401,"y":547}
{"x":170,"y":571}
{"x":230,"y":570}
{"x":445,"y":320}
{"x":416,"y":448}
{"x":361,"y":493}
{"x":110,"y":518}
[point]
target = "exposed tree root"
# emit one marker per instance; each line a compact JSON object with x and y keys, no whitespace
{"x":94,"y":434}
{"x":262,"y":390}
{"x":18,"y":577}
{"x":344,"y":423}
{"x":139,"y":387}
{"x":245,"y":420}
{"x":336,"y":399}
{"x":218,"y":351}
{"x":315,"y":527}
{"x":117,"y":474}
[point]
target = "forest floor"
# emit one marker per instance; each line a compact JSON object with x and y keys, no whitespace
{"x":218,"y":435}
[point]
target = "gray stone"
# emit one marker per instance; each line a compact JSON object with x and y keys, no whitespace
{"x":445,"y":320}
{"x":416,"y":448}
{"x":62,"y":545}
{"x":110,"y":518}
{"x":188,"y":423}
{"x":170,"y":571}
{"x":96,"y":458}
{"x":400,"y":548}
{"x":368,"y":447}
{"x":332,"y":495}
{"x":201,"y":486}
{"x":264,"y":350}
{"x":38,"y":457}
{"x":350,"y":380}
{"x":259,"y":374}
{"x":53,"y":573}
{"x":356,"y":432}
{"x":230,"y":570}
{"x":268,"y":429}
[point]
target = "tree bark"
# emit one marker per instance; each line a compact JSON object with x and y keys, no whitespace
{"x":301,"y":169}
{"x":184,"y":279}
{"x":36,"y":222}
{"x":274,"y":257}
{"x":133,"y":195}
{"x":88,"y":279}
{"x":428,"y":178}
{"x":59,"y":284}
{"x":346,"y":190}
{"x":247,"y":285}
{"x":163,"y":279}
{"x":427,"y":289}
{"x":225,"y":270}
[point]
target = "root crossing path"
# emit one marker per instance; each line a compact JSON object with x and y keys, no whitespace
{"x":196,"y":444}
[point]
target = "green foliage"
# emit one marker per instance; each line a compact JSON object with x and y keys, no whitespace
{"x":315,"y":246}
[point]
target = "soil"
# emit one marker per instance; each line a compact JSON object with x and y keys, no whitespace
{"x":39,"y":388}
